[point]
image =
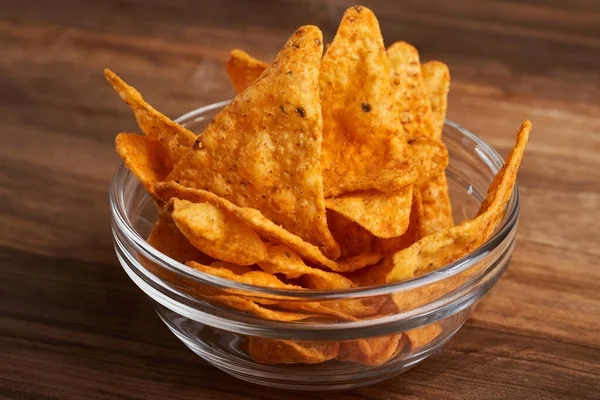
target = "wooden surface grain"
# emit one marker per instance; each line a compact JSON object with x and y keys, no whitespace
{"x":73,"y":326}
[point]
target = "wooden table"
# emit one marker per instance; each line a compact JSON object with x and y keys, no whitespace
{"x":72,"y":325}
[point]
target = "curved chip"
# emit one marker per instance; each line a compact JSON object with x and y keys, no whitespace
{"x":217,"y":233}
{"x":145,"y":157}
{"x":243,"y":69}
{"x":272,"y":351}
{"x":168,"y":239}
{"x":439,"y":249}
{"x":281,"y":260}
{"x":372,"y":351}
{"x":175,"y":139}
{"x":423,"y":336}
{"x":263,"y":149}
{"x":352,"y":238}
{"x":385,"y":215}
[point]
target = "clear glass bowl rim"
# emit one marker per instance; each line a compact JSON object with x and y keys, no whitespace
{"x":121,"y":222}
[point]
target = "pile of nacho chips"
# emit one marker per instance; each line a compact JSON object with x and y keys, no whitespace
{"x":327,"y":171}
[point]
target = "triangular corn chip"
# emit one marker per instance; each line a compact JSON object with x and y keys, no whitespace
{"x":281,"y":260}
{"x":263,"y":149}
{"x":252,"y":307}
{"x":436,"y":78}
{"x":372,"y":351}
{"x":175,"y":138}
{"x":418,"y":122}
{"x":437,"y":210}
{"x":362,"y":137}
{"x":385,"y":215}
{"x":256,"y":278}
{"x":441,"y":248}
{"x":352,"y":238}
{"x":217,"y":233}
{"x":265,"y":228}
{"x":166,"y":238}
{"x":144,"y":156}
{"x":273,"y":351}
{"x":423,"y":336}
{"x":409,"y":90}
{"x":430,"y":156}
{"x":243,"y":69}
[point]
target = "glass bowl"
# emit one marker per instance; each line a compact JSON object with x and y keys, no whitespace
{"x":377,"y":345}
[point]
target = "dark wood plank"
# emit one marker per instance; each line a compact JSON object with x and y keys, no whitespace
{"x":73,"y":326}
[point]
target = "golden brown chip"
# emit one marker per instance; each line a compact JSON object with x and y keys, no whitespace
{"x":263,"y":149}
{"x":243,"y":69}
{"x":421,"y":337}
{"x":435,"y":205}
{"x":418,"y":122}
{"x":409,"y":90}
{"x":175,"y":139}
{"x":430,"y":157}
{"x":272,"y":351}
{"x":442,"y":248}
{"x":166,"y":238}
{"x":249,"y":306}
{"x":362,"y":137}
{"x":437,"y":208}
{"x":352,"y":238}
{"x":144,"y":157}
{"x":281,"y":260}
{"x":373,"y":351}
{"x":436,"y":78}
{"x":256,"y":278}
{"x":412,"y":234}
{"x":217,"y":233}
{"x":362,"y":129}
{"x":385,"y":215}
{"x":265,"y":228}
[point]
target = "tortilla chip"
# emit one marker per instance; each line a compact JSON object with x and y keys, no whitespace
{"x":363,"y":147}
{"x":421,"y":337}
{"x":442,"y":248}
{"x":373,"y":351}
{"x":272,"y":351}
{"x":251,"y":307}
{"x":263,"y":149}
{"x":166,"y":238}
{"x":428,"y":152}
{"x":217,"y":233}
{"x":265,"y":228}
{"x":361,"y":127}
{"x":436,"y":77}
{"x":144,"y":157}
{"x":409,"y":90}
{"x":430,"y":157}
{"x":436,"y":206}
{"x":175,"y":139}
{"x":352,"y":238}
{"x":281,"y":260}
{"x":256,"y":278}
{"x":243,"y":69}
{"x":412,"y":234}
{"x":385,"y":215}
